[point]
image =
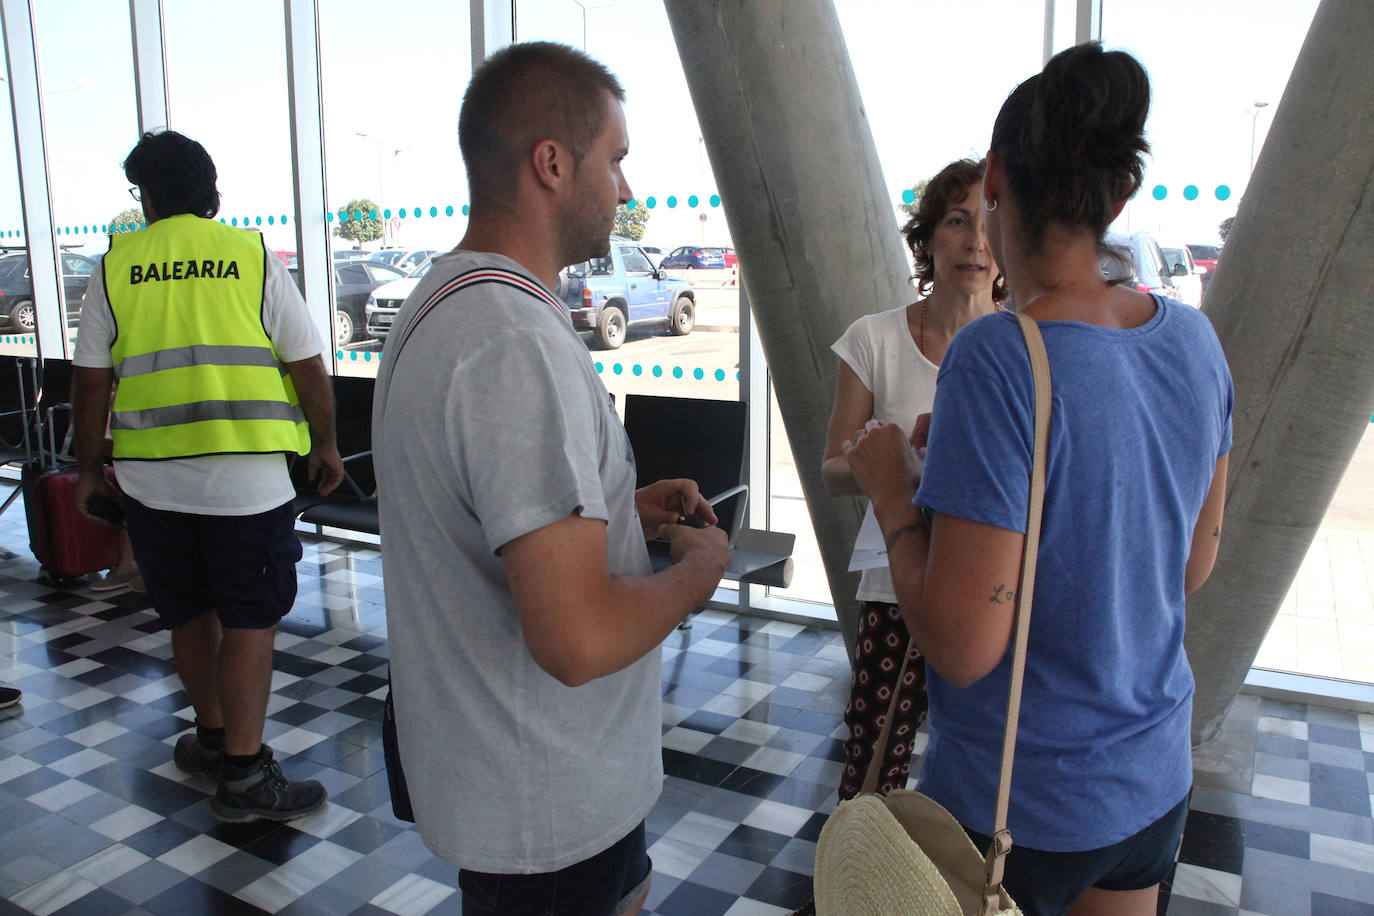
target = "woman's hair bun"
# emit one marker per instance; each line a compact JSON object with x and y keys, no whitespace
{"x":1072,"y":138}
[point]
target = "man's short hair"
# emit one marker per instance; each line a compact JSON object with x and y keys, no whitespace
{"x":176,"y":174}
{"x":522,"y":94}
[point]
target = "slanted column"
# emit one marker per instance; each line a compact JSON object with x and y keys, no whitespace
{"x":808,"y":210}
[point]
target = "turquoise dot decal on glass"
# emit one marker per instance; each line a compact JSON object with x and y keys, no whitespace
{"x":720,"y":375}
{"x":257,"y":220}
{"x":338,"y":354}
{"x":908,"y":196}
{"x":283,"y":219}
{"x":329,"y":217}
{"x":102,"y":228}
{"x":367,"y":357}
{"x":650,"y":202}
{"x":693,"y":201}
{"x":269,"y":220}
{"x":1160,"y":192}
{"x":1223,"y":192}
{"x":698,"y":374}
{"x":715,"y":200}
{"x":234,"y":221}
{"x":448,"y":211}
{"x":637,"y":369}
{"x":371,"y":214}
{"x":599,"y":367}
{"x":618,"y":369}
{"x":386,"y":214}
{"x":1190,"y":192}
{"x":465,"y":209}
{"x":357,"y":214}
{"x":737,"y":375}
{"x":658,"y":372}
{"x":672,"y":201}
{"x":353,"y":355}
{"x":433,"y":211}
{"x":85,"y":230}
{"x":417,"y":212}
{"x":631,"y":204}
{"x":677,"y":372}
{"x":401,"y":213}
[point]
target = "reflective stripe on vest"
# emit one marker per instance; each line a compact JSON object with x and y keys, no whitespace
{"x":197,"y":373}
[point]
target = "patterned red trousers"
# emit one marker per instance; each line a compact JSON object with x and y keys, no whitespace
{"x":883,"y":637}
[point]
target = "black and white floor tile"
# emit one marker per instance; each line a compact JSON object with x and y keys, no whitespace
{"x":94,"y":817}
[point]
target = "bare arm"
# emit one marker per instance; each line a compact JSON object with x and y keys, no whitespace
{"x":580,"y":621}
{"x":1202,"y":556}
{"x":90,"y":412}
{"x":316,"y":395}
{"x":956,"y":585}
{"x":853,"y":408}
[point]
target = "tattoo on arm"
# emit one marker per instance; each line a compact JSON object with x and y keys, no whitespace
{"x":1002,"y":595}
{"x":1216,"y":532}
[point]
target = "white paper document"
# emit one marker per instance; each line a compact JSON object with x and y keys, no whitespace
{"x":869,"y":551}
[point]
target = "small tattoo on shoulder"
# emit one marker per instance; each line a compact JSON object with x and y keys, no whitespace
{"x":1002,"y":595}
{"x":1216,"y":532}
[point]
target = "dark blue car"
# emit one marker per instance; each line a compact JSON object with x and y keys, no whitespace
{"x":694,"y":256}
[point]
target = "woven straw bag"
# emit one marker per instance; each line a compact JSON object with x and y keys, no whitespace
{"x":903,"y":853}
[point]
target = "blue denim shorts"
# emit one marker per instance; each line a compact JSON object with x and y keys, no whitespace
{"x":241,"y":566}
{"x":610,"y":883}
{"x":1047,"y":883}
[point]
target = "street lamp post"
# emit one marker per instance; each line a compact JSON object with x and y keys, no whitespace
{"x":1253,"y":122}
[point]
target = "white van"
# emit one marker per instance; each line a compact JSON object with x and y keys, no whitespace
{"x":1187,"y":275}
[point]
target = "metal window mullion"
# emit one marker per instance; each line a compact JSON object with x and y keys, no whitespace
{"x":754,"y":388}
{"x":493,"y":27}
{"x":30,"y":141}
{"x":304,"y":89}
{"x":147,"y":27}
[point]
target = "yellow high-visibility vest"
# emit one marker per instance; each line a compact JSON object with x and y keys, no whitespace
{"x":197,"y":372}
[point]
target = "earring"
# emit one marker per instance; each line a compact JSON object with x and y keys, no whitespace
{"x":989,"y":207}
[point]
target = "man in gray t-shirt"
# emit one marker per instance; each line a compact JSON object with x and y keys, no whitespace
{"x":523,"y":614}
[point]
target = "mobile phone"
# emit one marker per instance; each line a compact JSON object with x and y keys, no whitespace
{"x":103,"y":507}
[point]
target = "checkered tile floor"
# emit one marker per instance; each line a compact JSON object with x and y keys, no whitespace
{"x":94,"y":818}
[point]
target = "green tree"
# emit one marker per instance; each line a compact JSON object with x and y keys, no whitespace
{"x":630,"y":223}
{"x":1225,"y":228}
{"x":917,"y":189}
{"x":127,"y":220}
{"x":360,"y":220}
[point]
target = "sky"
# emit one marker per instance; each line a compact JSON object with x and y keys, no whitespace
{"x":931,"y":73}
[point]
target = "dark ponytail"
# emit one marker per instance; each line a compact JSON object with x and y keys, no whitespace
{"x":1071,"y":139}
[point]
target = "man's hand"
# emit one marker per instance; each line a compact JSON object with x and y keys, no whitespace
{"x":883,"y":462}
{"x":664,"y":502}
{"x":90,"y":485}
{"x":325,"y":467}
{"x":709,"y":546}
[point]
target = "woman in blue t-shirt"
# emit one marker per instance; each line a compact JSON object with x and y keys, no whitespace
{"x":1140,"y":430}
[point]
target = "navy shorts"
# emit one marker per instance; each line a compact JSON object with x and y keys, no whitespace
{"x":241,"y":566}
{"x":1047,"y":883}
{"x":610,"y":883}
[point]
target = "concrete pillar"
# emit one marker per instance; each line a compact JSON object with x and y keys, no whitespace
{"x":1291,"y":304}
{"x":808,"y":210}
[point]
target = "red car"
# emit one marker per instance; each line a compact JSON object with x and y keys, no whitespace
{"x":730,"y":259}
{"x":1206,"y":256}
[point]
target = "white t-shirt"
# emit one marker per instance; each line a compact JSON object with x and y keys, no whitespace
{"x":214,"y":484}
{"x":880,"y":350}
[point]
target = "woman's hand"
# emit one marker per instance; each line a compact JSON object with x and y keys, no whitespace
{"x":883,"y":462}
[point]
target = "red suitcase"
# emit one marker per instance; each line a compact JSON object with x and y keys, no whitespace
{"x":64,"y":541}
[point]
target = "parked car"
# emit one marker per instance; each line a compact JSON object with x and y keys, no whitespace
{"x":289,"y":258}
{"x":1207,"y":257}
{"x":655,"y":254}
{"x":730,"y":259}
{"x":354,"y":281}
{"x":1139,"y":254}
{"x":16,"y":288}
{"x":385,"y":301}
{"x":403,"y":259}
{"x":352,"y":254}
{"x":694,"y":256}
{"x":606,"y":295}
{"x":1187,"y":275}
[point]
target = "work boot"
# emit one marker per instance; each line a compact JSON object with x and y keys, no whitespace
{"x":259,"y":790}
{"x":10,"y":695}
{"x":199,"y":756}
